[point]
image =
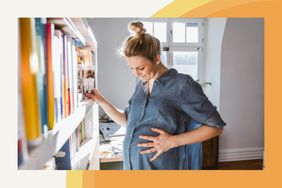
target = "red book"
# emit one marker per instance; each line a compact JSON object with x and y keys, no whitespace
{"x":50,"y":29}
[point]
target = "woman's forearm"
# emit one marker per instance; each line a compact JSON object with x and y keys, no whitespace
{"x":200,"y":134}
{"x":115,"y":114}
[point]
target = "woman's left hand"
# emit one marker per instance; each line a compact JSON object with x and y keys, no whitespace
{"x":160,"y":144}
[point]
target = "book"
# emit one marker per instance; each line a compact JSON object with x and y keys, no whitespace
{"x":41,"y":75}
{"x":82,"y":132}
{"x":70,"y":76}
{"x":79,"y":83}
{"x":29,"y":67}
{"x":65,"y":77}
{"x":75,"y":77}
{"x":62,"y":158}
{"x":49,"y":70}
{"x":22,"y":145}
{"x":57,"y":61}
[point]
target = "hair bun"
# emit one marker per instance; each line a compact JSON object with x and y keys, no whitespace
{"x":137,"y":28}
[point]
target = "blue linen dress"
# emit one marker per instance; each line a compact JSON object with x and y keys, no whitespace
{"x":175,"y":99}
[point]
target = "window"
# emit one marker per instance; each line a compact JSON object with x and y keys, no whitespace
{"x":157,"y":29}
{"x":182,"y":41}
{"x":186,"y":46}
{"x":185,"y":32}
{"x":186,"y":62}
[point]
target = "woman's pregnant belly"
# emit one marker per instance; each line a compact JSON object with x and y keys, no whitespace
{"x":173,"y":159}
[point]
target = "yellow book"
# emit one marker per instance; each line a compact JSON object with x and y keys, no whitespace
{"x":28,"y":82}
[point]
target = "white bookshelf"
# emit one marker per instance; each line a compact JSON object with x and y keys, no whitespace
{"x":84,"y":154}
{"x":77,"y":28}
{"x":55,"y":140}
{"x":41,"y":157}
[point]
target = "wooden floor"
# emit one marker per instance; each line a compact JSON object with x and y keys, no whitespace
{"x":241,"y":165}
{"x":234,"y":165}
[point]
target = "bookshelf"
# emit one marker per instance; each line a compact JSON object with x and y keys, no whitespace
{"x":52,"y":111}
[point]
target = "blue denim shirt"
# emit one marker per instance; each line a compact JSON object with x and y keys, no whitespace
{"x":174,"y":99}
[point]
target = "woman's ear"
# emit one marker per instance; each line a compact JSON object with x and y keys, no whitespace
{"x":158,"y":59}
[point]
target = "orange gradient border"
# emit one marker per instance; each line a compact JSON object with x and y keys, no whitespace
{"x":270,"y":10}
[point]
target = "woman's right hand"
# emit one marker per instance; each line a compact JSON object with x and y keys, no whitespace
{"x":96,"y":96}
{"x":115,"y":114}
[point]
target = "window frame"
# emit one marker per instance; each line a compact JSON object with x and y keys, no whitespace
{"x":175,"y":46}
{"x":199,"y":21}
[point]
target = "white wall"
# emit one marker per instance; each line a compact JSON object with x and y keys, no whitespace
{"x":242,"y":89}
{"x":212,"y":62}
{"x":115,"y":80}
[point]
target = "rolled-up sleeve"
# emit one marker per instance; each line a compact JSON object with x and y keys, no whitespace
{"x":196,"y":105}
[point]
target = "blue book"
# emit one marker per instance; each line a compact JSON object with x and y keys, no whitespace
{"x":41,"y":74}
{"x":62,"y":158}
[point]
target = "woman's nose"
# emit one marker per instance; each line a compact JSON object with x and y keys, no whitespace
{"x":135,"y":72}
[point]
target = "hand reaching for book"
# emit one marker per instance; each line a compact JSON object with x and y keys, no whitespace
{"x":96,"y":96}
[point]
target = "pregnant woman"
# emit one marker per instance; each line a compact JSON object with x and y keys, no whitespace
{"x":160,"y":109}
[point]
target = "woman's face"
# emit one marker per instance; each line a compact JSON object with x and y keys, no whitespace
{"x":141,"y":67}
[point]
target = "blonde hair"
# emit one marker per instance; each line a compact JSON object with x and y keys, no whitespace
{"x":141,"y":43}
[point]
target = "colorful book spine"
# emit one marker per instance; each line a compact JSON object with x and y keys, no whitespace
{"x":74,"y":143}
{"x":61,"y":44}
{"x":65,"y":77}
{"x":76,"y":140}
{"x":78,"y":130}
{"x":29,"y":67}
{"x":57,"y":55}
{"x":41,"y":76}
{"x":75,"y":77}
{"x":62,"y":158}
{"x":70,"y":75}
{"x":49,"y":69}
